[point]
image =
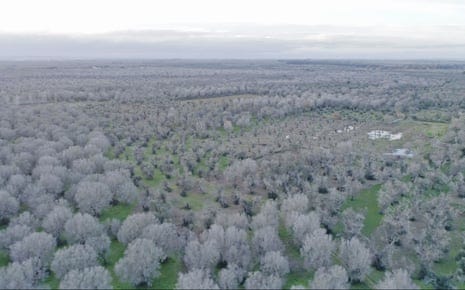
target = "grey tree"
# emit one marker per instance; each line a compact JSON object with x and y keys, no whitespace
{"x":76,"y":257}
{"x":13,"y":234}
{"x":93,"y":197}
{"x":54,"y":222}
{"x":265,"y":240}
{"x":165,"y":236}
{"x":9,"y":205}
{"x":236,"y":248}
{"x":258,"y":280}
{"x":36,"y":245}
{"x":85,"y":229}
{"x":95,"y":277}
{"x":317,"y":249}
{"x":133,"y":226}
{"x":141,"y":262}
{"x":231,"y":277}
{"x":297,"y":203}
{"x":356,"y":258}
{"x":121,"y":185}
{"x":81,"y":227}
{"x":274,"y":264}
{"x":196,"y":279}
{"x":201,"y":255}
{"x":398,"y":279}
{"x":268,"y":216}
{"x":353,"y":223}
{"x":22,"y":275}
{"x":51,"y":183}
{"x":334,"y":277}
{"x":304,"y":224}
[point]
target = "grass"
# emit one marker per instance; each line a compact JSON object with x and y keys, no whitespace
{"x":116,"y":253}
{"x":120,"y":211}
{"x":367,"y":200}
{"x":168,"y":274}
{"x":223,"y":163}
{"x":4,"y":259}
{"x":298,"y":278}
{"x":52,"y":281}
{"x":286,"y":236}
{"x":195,"y":200}
{"x":448,"y":265}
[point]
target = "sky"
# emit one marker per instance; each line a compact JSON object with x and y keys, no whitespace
{"x":232,"y":29}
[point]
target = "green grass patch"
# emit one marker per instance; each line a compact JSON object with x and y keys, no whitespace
{"x":448,"y":265}
{"x":286,"y":236}
{"x":120,"y":211}
{"x":196,"y":201}
{"x":298,"y":278}
{"x":223,"y":163}
{"x":53,"y":281}
{"x":423,"y":285}
{"x":367,"y":200}
{"x":110,"y":154}
{"x":4,"y":258}
{"x":116,"y":253}
{"x":168,"y":274}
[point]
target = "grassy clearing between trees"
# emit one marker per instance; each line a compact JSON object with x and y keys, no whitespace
{"x":4,"y":258}
{"x":168,"y":274}
{"x":119,"y":211}
{"x":367,"y":200}
{"x":116,"y":253}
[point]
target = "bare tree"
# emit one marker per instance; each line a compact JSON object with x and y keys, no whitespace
{"x":88,"y":278}
{"x":133,"y":226}
{"x":275,"y":264}
{"x":141,"y":262}
{"x":258,"y":280}
{"x":334,"y":277}
{"x":398,"y":279}
{"x":196,"y":279}
{"x":76,"y":257}
{"x":35,"y":245}
{"x":317,"y":249}
{"x":93,"y":197}
{"x":356,"y":258}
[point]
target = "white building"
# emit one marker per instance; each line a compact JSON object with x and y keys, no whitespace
{"x":380,"y":134}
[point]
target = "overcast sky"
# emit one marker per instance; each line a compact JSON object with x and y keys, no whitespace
{"x":232,"y":29}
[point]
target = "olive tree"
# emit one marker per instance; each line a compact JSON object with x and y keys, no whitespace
{"x":398,"y":279}
{"x":231,"y":277}
{"x":134,"y":225}
{"x":165,"y":236}
{"x":196,"y":279}
{"x":76,"y":257}
{"x":265,"y":240}
{"x":9,"y":205}
{"x":13,"y":234}
{"x":95,"y":277}
{"x":54,"y":222}
{"x":141,"y":262}
{"x":258,"y":280}
{"x":317,"y":249}
{"x":93,"y":197}
{"x":334,"y":277}
{"x":22,"y":275}
{"x":36,"y":245}
{"x":85,"y":229}
{"x":201,"y":255}
{"x":356,"y":258}
{"x":275,"y":264}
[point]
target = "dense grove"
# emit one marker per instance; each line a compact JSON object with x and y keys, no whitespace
{"x":227,"y":174}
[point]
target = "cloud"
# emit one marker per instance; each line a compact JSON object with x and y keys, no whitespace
{"x":245,"y":41}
